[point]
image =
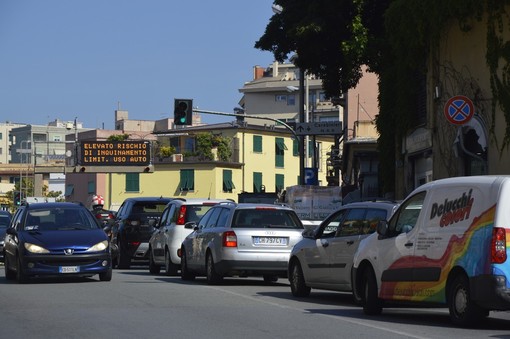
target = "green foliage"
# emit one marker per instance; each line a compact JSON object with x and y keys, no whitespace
{"x":165,"y":151}
{"x":118,"y":137}
{"x":205,"y":142}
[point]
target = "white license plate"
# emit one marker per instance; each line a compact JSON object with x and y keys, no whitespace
{"x":69,"y":269}
{"x":269,"y":241}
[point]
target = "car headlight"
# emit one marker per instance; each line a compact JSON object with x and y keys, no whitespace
{"x":35,"y":248}
{"x":100,"y":246}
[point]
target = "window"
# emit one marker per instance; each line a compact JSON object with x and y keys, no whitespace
{"x":228,"y":185}
{"x":257,"y":182}
{"x":91,"y":187}
{"x":329,"y":228}
{"x":280,"y":152}
{"x":69,"y":190}
{"x":257,"y":143}
{"x":407,"y":216}
{"x":280,"y":98}
{"x":187,"y":182}
{"x":280,"y":182}
{"x":352,"y":223}
{"x":132,"y":182}
{"x":372,"y":218}
{"x":291,"y":100}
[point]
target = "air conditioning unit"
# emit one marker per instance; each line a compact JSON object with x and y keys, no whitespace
{"x":177,"y":157}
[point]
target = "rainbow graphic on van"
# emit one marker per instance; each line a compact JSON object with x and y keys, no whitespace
{"x":470,"y":251}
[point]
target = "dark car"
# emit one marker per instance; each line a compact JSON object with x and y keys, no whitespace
{"x":56,"y":239}
{"x":133,"y":228}
{"x":5,"y":220}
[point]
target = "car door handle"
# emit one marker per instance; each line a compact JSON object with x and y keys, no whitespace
{"x":409,"y":244}
{"x":350,"y":242}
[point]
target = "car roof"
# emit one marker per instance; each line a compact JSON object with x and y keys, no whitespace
{"x":373,"y":204}
{"x":148,"y":199}
{"x":46,"y":205}
{"x":250,"y":205}
{"x":191,"y":201}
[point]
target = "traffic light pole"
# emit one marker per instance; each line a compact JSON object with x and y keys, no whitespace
{"x":251,"y":117}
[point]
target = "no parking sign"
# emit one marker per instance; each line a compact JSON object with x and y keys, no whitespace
{"x":459,"y":110}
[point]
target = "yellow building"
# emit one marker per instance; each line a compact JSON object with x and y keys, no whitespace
{"x":256,"y":158}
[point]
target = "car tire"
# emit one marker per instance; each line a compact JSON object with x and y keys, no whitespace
{"x":9,"y":273}
{"x":21,"y":277}
{"x":170,"y":267}
{"x":185,"y":273}
{"x":463,"y":311}
{"x":297,"y":280}
{"x":153,"y":268}
{"x":123,"y":260}
{"x":213,"y":278}
{"x":106,"y":276}
{"x":372,"y":305}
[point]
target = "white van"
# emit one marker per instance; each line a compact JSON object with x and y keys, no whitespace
{"x":445,"y":245}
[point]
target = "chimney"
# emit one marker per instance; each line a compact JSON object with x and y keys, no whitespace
{"x":258,"y":72}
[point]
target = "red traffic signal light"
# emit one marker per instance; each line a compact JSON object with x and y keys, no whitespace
{"x":183,"y":112}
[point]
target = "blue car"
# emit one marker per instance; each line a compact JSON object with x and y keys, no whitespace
{"x":56,"y":239}
{"x":5,"y":220}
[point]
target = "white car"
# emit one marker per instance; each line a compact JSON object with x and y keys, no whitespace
{"x":324,"y":258}
{"x":170,"y":232}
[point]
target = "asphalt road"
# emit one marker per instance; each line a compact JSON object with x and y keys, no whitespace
{"x":136,"y":304}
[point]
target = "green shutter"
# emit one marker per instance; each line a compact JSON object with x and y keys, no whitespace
{"x":280,"y":182}
{"x":257,"y":143}
{"x":187,"y":180}
{"x":257,"y":182}
{"x":132,"y":182}
{"x":279,"y":152}
{"x":295,"y":147}
{"x":228,"y":185}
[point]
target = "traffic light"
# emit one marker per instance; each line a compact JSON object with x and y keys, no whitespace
{"x":183,"y":112}
{"x":334,"y":158}
{"x":17,"y":198}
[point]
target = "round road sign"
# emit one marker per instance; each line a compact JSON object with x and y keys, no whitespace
{"x":459,"y":110}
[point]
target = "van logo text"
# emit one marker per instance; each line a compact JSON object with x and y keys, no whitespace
{"x":453,"y":211}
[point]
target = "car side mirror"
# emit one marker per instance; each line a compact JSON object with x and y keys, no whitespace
{"x":191,"y":225}
{"x":11,"y":231}
{"x":308,"y":233}
{"x":382,"y":228}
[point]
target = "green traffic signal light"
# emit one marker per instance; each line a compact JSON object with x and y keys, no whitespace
{"x":183,"y":111}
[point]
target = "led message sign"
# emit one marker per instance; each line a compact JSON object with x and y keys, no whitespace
{"x":112,"y":153}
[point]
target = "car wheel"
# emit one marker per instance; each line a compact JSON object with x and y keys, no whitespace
{"x":123,"y":260}
{"x":297,"y":281}
{"x":185,"y":273}
{"x":153,"y":268}
{"x":106,"y":276}
{"x":463,"y":311}
{"x":213,"y":278}
{"x":372,"y":305}
{"x":170,"y":267}
{"x":9,"y":273}
{"x":21,"y":277}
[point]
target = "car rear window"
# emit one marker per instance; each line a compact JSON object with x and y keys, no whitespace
{"x":266,"y":218}
{"x":195,"y":212}
{"x":145,"y":207}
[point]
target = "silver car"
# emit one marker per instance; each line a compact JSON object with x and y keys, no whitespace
{"x":241,"y":240}
{"x":323,"y":258}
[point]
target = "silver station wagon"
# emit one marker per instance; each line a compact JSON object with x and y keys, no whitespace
{"x":241,"y":239}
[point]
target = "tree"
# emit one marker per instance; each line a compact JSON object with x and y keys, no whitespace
{"x":332,"y":39}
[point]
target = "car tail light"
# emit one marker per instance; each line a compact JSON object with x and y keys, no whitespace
{"x":134,"y":243}
{"x":498,"y":245}
{"x":229,"y":239}
{"x":180,"y":216}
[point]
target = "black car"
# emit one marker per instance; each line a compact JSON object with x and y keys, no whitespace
{"x":5,"y":220}
{"x":131,"y":229}
{"x":56,"y":239}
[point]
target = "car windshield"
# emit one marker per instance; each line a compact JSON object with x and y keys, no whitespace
{"x":58,"y":219}
{"x":266,"y":218}
{"x":155,"y":208}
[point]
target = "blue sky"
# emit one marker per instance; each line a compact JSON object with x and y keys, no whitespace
{"x":61,"y":59}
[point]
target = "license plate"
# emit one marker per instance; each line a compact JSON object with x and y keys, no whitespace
{"x":69,"y":269}
{"x":270,"y":241}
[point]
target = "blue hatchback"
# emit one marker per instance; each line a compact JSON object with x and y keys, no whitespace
{"x":56,"y":239}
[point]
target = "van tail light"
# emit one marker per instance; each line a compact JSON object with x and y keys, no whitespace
{"x":180,"y":216}
{"x":498,"y":245}
{"x":229,"y":239}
